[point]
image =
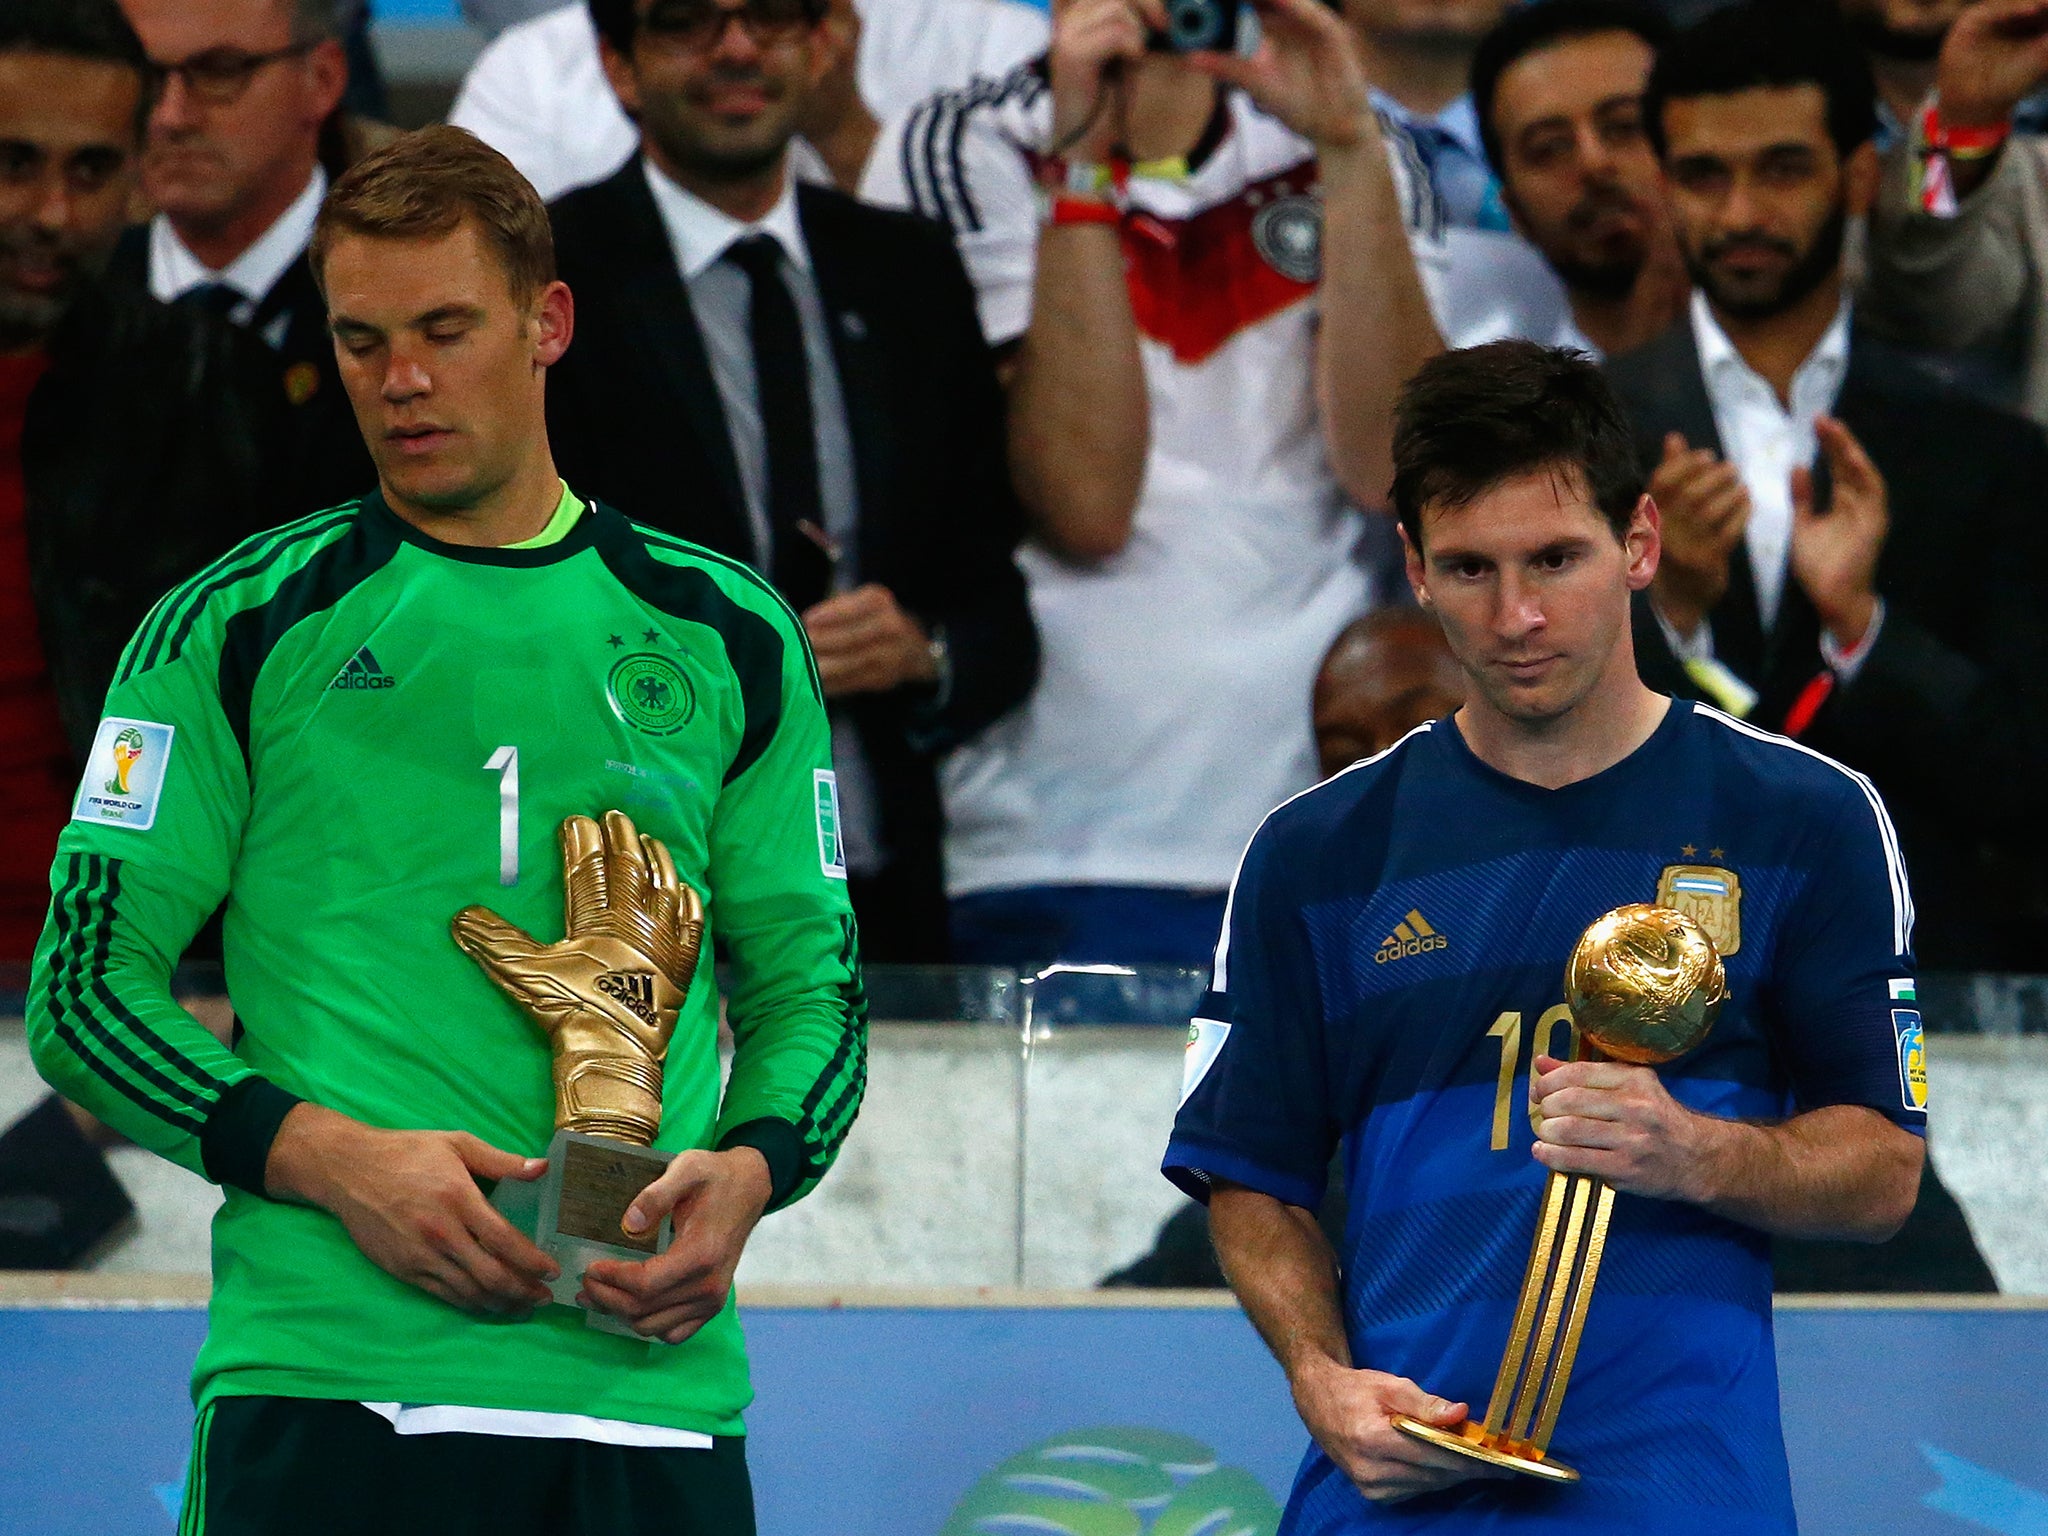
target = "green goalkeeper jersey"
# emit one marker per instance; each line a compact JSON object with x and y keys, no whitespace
{"x":347,"y":732}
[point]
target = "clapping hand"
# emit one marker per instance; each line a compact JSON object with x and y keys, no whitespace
{"x":1834,"y":553}
{"x":1705,"y":508}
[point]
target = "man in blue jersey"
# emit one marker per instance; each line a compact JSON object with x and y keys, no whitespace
{"x":1390,"y":978}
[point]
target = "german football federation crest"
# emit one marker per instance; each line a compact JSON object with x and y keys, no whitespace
{"x":1288,"y":233}
{"x":651,"y":693}
{"x":1710,"y":896}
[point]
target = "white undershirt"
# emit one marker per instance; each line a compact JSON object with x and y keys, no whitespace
{"x":412,"y":1419}
{"x":1765,"y":440}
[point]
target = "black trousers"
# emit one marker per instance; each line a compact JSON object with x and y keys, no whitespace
{"x":288,"y":1466}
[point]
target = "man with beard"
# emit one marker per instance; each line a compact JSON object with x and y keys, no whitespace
{"x":798,"y":381}
{"x":1849,"y":557}
{"x":126,"y":443}
{"x":1558,"y":88}
{"x":127,"y":460}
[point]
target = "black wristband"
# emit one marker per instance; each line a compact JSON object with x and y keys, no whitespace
{"x":779,"y":1143}
{"x":235,"y":1145}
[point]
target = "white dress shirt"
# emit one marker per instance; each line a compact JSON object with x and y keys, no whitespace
{"x":174,"y":271}
{"x":1766,"y":439}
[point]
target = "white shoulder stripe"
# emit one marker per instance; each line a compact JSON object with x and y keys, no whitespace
{"x":1220,"y":980}
{"x":1895,"y":863}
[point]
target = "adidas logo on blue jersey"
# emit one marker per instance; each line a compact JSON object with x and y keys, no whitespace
{"x":1411,"y":936}
{"x":362,"y":673}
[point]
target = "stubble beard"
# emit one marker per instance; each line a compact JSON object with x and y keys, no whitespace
{"x":1808,"y":271}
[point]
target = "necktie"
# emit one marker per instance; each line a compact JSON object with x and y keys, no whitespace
{"x":217,"y":299}
{"x":802,"y":571}
{"x":1463,"y":183}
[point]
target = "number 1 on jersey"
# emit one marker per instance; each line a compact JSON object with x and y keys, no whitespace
{"x":505,"y":764}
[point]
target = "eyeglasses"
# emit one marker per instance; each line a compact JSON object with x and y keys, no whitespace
{"x":700,"y":24}
{"x":219,"y":76}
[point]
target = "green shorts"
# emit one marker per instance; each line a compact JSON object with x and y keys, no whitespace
{"x":287,"y":1466}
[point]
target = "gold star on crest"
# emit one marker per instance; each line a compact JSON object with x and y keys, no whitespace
{"x":1687,"y":851}
{"x":1716,"y":854}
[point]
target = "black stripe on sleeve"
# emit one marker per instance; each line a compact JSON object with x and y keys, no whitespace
{"x":73,"y":1021}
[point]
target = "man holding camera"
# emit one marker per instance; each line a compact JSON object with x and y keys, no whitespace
{"x":1196,"y":270}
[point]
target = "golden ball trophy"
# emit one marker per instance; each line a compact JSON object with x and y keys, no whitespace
{"x":1644,"y":985}
{"x":607,"y":997}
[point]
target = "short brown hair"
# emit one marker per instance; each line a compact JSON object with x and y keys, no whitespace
{"x":422,"y":185}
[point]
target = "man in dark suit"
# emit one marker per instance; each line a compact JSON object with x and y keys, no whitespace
{"x":798,"y":381}
{"x":244,"y":134}
{"x":1850,"y":557}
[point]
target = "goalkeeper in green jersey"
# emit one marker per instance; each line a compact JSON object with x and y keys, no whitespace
{"x":347,"y":731}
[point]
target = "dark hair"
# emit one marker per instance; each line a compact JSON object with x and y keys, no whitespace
{"x":1528,"y":28}
{"x":93,"y":30}
{"x":423,"y":184}
{"x":1765,"y":44}
{"x":79,"y":29}
{"x":1470,"y":420}
{"x":617,"y":20}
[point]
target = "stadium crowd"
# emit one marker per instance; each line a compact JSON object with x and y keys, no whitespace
{"x":1049,"y":374}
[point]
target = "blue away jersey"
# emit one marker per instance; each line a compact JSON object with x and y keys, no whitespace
{"x":1392,"y":960}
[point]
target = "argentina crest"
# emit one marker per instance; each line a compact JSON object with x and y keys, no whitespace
{"x":1710,"y":896}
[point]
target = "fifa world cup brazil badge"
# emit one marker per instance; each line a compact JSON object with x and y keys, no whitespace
{"x":607,"y":998}
{"x":1710,"y":896}
{"x":651,"y":693}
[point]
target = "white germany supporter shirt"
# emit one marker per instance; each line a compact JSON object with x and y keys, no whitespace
{"x":1173,"y":708}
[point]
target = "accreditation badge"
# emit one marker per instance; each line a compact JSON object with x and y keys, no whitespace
{"x":1710,"y":896}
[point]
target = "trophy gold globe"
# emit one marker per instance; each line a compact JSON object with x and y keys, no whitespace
{"x":1644,"y":985}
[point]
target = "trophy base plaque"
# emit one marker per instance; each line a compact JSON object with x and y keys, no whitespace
{"x":1469,"y":1439}
{"x":574,"y":1211}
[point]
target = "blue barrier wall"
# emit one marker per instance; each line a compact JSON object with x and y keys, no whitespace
{"x":1920,"y":1422}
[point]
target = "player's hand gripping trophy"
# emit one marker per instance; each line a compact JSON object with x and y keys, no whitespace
{"x":1644,"y":985}
{"x":607,"y":996}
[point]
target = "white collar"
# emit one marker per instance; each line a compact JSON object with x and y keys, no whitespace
{"x":1721,"y":362}
{"x":1460,"y":119}
{"x":700,"y":234}
{"x":174,"y":271}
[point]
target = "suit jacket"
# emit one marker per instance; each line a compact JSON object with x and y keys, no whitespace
{"x":636,"y":419}
{"x":142,"y":461}
{"x":315,"y":458}
{"x":1949,"y":713}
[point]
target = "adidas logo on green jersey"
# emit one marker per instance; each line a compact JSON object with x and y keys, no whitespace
{"x":361,"y":674}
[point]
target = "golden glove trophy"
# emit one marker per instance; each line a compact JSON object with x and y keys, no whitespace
{"x":1644,"y":985}
{"x":607,"y":997}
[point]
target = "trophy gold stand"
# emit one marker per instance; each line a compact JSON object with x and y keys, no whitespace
{"x":1644,"y":985}
{"x":607,"y":997}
